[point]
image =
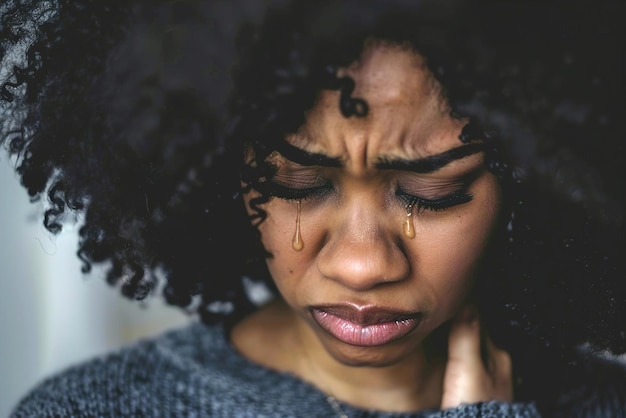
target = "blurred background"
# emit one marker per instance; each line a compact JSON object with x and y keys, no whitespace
{"x":51,"y":316}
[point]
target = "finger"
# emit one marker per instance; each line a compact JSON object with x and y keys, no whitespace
{"x":464,"y":368}
{"x":464,"y":340}
{"x":477,"y":370}
{"x":500,"y":369}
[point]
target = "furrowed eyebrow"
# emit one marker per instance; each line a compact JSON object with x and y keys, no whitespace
{"x":432,"y":162}
{"x":421,"y":165}
{"x":306,"y":158}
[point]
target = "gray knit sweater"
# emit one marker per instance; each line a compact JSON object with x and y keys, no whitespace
{"x":195,"y":372}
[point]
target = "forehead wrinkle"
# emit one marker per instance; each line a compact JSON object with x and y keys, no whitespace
{"x":327,"y":131}
{"x":408,"y":118}
{"x":362,"y":142}
{"x":397,"y":134}
{"x":404,"y":95}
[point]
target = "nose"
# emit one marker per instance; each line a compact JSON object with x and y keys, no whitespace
{"x":363,"y":250}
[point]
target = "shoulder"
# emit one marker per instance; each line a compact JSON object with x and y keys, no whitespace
{"x":191,"y":372}
{"x":138,"y":380}
{"x":595,"y":387}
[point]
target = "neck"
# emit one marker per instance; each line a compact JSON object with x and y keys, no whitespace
{"x":277,"y":338}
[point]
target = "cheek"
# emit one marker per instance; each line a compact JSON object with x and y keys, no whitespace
{"x":447,"y":261}
{"x":278,"y":225}
{"x":286,"y":265}
{"x":277,"y":232}
{"x":446,"y":277}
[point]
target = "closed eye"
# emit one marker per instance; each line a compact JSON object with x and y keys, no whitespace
{"x":290,"y":192}
{"x":455,"y":198}
{"x":293,"y":181}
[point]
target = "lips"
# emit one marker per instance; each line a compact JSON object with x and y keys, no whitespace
{"x":365,"y":327}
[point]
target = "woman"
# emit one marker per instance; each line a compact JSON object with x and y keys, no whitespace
{"x":404,"y":176}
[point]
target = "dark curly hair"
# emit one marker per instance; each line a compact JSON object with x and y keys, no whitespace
{"x":124,"y":112}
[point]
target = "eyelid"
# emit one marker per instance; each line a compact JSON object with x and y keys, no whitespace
{"x":435,"y":192}
{"x":292,"y":193}
{"x":432,"y":191}
{"x":422,"y":182}
{"x":295,"y":182}
{"x":431,"y":187}
{"x":299,"y":178}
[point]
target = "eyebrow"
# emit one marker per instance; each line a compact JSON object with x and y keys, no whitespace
{"x":421,"y":165}
{"x":306,"y":158}
{"x":432,"y":162}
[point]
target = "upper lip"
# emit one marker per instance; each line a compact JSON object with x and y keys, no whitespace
{"x":367,"y":315}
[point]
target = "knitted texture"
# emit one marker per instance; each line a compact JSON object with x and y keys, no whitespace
{"x":195,"y":372}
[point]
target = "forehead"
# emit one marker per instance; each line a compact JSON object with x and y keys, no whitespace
{"x":407,"y":114}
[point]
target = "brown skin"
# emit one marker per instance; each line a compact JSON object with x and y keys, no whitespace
{"x":355,"y":251}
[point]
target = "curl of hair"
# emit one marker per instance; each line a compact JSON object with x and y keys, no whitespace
{"x":111,"y":110}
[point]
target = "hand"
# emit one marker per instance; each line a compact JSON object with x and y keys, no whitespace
{"x":468,"y":378}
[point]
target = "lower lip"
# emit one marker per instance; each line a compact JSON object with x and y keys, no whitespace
{"x":364,"y":335}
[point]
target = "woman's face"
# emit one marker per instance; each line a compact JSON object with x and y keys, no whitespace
{"x":363,"y":282}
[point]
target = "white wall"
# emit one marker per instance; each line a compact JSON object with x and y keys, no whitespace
{"x":50,"y":315}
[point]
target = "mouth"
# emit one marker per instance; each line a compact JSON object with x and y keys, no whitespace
{"x":365,"y":327}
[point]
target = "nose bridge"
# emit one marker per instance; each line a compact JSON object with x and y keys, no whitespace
{"x":363,"y":249}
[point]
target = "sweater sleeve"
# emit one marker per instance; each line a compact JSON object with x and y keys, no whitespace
{"x":107,"y":387}
{"x":596,"y":390}
{"x":142,"y":381}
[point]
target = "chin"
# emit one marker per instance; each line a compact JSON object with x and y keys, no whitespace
{"x":373,"y":356}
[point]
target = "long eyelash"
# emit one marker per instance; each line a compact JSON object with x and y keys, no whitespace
{"x":289,"y":193}
{"x":457,"y":198}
